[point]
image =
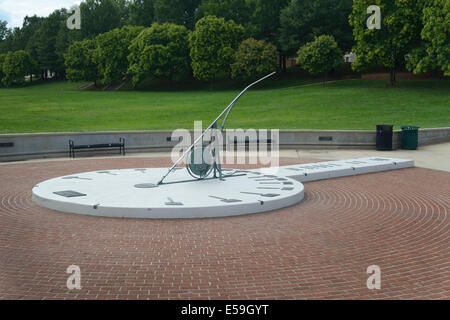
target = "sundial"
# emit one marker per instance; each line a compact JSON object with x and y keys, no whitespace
{"x":203,"y":189}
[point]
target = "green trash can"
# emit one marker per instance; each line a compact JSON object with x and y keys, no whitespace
{"x":410,"y":137}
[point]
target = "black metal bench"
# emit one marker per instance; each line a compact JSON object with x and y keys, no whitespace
{"x":120,"y":145}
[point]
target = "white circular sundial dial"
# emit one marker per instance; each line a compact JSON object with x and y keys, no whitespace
{"x":135,"y":193}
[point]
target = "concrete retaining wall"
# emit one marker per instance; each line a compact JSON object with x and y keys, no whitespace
{"x":51,"y":145}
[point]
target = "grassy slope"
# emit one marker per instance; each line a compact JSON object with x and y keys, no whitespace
{"x":352,"y":104}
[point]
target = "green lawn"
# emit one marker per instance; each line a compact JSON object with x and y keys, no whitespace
{"x":352,"y":104}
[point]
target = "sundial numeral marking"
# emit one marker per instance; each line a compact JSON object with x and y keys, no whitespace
{"x":73,"y":178}
{"x":267,"y":195}
{"x":141,"y":170}
{"x":226,"y":200}
{"x":107,"y":172}
{"x":173,"y":203}
{"x":288,"y":183}
{"x":145,"y":186}
{"x":270,"y":183}
{"x":287,"y":189}
{"x":268,"y":188}
{"x":70,"y":194}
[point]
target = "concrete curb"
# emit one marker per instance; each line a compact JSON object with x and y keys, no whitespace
{"x":53,"y":145}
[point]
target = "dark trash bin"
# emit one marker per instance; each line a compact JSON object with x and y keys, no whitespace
{"x":410,"y":137}
{"x":384,"y":137}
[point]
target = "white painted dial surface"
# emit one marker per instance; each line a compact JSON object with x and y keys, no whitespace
{"x":133,"y":193}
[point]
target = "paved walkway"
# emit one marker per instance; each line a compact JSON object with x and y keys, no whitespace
{"x":320,"y":248}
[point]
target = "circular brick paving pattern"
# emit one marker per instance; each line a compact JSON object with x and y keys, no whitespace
{"x":320,"y":248}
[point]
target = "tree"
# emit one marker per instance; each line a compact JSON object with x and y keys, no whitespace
{"x":112,"y":52}
{"x":254,"y":58}
{"x":16,"y":66}
{"x":29,"y":30}
{"x":12,"y":41}
{"x":2,"y":60}
{"x":3,"y":29}
{"x":161,"y":51}
{"x":320,"y":56}
{"x":434,"y":53}
{"x":142,"y":13}
{"x":303,"y":20}
{"x":182,"y":12}
{"x":237,"y":10}
{"x":212,"y":46}
{"x":99,"y":16}
{"x":264,"y":11}
{"x":46,"y":37}
{"x":79,"y":61}
{"x":388,"y":46}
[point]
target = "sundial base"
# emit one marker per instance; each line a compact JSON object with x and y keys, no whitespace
{"x":135,"y":193}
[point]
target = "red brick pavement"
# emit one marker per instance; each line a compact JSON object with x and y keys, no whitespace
{"x":317,"y":249}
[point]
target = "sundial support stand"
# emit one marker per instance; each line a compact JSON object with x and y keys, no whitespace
{"x":202,"y":171}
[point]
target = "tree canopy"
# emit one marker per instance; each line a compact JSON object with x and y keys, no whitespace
{"x":399,"y":34}
{"x":99,"y":16}
{"x":16,"y":66}
{"x":213,"y":43}
{"x":434,"y":54}
{"x":320,"y":56}
{"x":112,"y":52}
{"x":142,"y":12}
{"x":303,"y":20}
{"x":161,"y":51}
{"x":182,"y":12}
{"x":254,"y":58}
{"x":79,"y":61}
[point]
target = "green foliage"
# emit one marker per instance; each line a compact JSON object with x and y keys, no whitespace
{"x":142,"y":13}
{"x":99,"y":16}
{"x":254,"y":58}
{"x":161,"y":51}
{"x":302,"y":20}
{"x":321,"y":55}
{"x":45,"y":41}
{"x":2,"y":60}
{"x":237,"y":10}
{"x":16,"y":66}
{"x":182,"y":12}
{"x":3,"y":29}
{"x":79,"y":61}
{"x":112,"y":52}
{"x":212,"y":46}
{"x":399,"y":34}
{"x":262,"y":12}
{"x":434,"y":54}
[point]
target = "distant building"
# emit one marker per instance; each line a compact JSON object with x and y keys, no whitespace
{"x":349,"y":57}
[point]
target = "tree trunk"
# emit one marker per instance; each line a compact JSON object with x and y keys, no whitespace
{"x":213,"y":82}
{"x":392,"y":78}
{"x":284,"y":63}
